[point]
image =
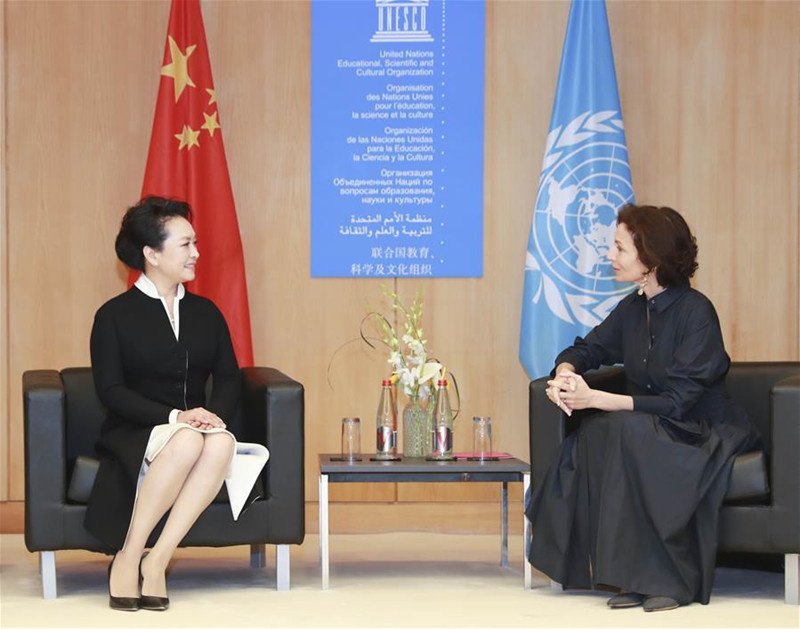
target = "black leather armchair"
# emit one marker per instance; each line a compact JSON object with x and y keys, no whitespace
{"x":63,"y":416}
{"x":761,"y":513}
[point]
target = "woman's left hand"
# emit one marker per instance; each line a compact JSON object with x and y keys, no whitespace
{"x":575,"y":393}
{"x":201,"y":419}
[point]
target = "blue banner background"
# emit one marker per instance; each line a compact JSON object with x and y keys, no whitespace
{"x":368,"y":220}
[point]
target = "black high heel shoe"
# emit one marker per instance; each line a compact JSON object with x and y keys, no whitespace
{"x":152,"y":603}
{"x":121,"y":603}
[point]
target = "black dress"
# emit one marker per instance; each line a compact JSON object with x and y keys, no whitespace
{"x":141,"y":373}
{"x":633,"y":497}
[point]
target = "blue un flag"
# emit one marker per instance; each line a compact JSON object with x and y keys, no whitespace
{"x":585,"y":181}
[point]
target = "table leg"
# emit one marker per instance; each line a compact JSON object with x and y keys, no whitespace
{"x":526,"y":534}
{"x":504,"y":528}
{"x":323,"y":529}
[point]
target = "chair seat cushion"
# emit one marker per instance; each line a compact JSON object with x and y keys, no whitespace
{"x":748,"y":482}
{"x":85,"y":471}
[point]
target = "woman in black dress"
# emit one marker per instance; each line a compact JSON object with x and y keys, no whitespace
{"x":633,"y":497}
{"x":153,"y":348}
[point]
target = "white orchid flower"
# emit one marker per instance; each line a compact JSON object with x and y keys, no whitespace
{"x":429,"y":370}
{"x":416,"y":347}
{"x":396,"y":360}
{"x":407,"y":381}
{"x":414,"y":359}
{"x":407,"y":378}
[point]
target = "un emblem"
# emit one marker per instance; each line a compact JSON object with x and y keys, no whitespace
{"x":585,"y":181}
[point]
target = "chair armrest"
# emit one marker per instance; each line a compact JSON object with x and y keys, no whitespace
{"x":274,"y":408}
{"x":45,"y":458}
{"x":611,"y":379}
{"x":785,"y":461}
{"x":549,"y":425}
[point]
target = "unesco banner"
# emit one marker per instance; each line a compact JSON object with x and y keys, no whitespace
{"x":397,"y":138}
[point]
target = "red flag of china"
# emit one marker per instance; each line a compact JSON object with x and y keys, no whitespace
{"x":187,"y":162}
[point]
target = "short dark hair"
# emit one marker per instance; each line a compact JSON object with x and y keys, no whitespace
{"x":663,"y":241}
{"x":143,"y":226}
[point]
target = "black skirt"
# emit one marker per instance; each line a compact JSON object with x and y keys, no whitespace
{"x":110,"y":508}
{"x":632,"y":501}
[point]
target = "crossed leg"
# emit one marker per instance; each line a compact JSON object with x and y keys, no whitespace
{"x":185,"y":476}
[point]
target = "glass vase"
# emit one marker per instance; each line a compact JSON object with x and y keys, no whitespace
{"x":415,"y":428}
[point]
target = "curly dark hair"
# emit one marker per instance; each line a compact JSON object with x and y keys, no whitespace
{"x":663,"y":241}
{"x":143,"y":226}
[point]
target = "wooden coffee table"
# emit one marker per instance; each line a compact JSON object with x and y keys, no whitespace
{"x":506,"y":470}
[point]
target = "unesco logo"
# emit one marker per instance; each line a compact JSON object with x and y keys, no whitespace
{"x":585,"y":181}
{"x":402,"y":21}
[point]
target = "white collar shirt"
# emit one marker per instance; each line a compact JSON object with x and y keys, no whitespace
{"x":146,"y":285}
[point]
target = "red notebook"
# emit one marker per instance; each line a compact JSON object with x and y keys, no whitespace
{"x":490,"y":455}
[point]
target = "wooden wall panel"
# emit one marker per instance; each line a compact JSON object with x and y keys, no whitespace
{"x":710,"y":100}
{"x":4,"y":380}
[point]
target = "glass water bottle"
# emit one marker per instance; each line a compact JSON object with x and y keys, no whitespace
{"x":386,"y":423}
{"x":441,"y":442}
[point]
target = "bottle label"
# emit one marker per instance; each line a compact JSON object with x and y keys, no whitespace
{"x":386,"y":440}
{"x":442,"y":441}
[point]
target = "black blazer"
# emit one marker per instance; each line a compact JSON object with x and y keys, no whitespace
{"x":142,"y":372}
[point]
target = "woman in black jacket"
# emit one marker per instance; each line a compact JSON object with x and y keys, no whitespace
{"x":153,"y":349}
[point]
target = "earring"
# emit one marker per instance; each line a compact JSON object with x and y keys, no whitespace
{"x":643,"y":284}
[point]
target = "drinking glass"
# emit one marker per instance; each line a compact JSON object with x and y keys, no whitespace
{"x":481,"y":438}
{"x":351,"y":438}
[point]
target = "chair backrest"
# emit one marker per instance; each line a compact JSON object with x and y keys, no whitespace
{"x":749,"y":383}
{"x":234,"y":424}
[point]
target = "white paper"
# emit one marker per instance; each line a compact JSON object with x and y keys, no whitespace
{"x":247,"y":463}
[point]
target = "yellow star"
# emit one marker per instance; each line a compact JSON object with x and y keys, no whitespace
{"x":211,"y":123}
{"x":188,"y":137}
{"x":179,"y":68}
{"x":213,"y":95}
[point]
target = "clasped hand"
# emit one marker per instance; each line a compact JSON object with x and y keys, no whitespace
{"x":200,"y":418}
{"x":569,"y":391}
